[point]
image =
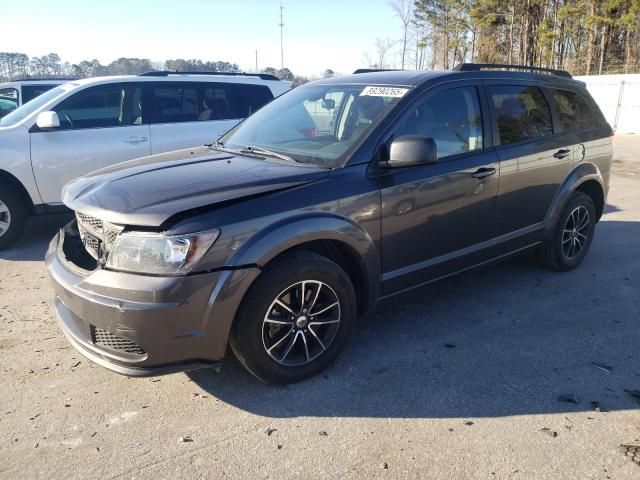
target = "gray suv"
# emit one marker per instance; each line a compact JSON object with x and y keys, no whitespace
{"x":342,"y":192}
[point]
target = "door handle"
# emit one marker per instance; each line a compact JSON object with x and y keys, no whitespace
{"x":562,"y":153}
{"x":483,"y":172}
{"x":135,"y":140}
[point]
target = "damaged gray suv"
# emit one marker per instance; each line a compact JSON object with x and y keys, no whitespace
{"x":342,"y":192}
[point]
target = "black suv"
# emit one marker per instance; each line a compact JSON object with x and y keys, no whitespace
{"x":337,"y":194}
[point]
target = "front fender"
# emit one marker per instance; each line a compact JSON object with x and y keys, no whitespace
{"x":288,"y":233}
{"x":582,"y":173}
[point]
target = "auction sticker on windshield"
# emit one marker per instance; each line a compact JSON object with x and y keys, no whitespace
{"x":383,"y":92}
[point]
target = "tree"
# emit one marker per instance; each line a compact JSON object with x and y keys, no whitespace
{"x":448,"y":19}
{"x":404,"y":11}
{"x":382,"y":45}
{"x":328,"y":73}
{"x":282,"y":73}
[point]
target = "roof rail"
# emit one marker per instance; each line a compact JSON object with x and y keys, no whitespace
{"x":476,"y":67}
{"x":166,"y":73}
{"x":43,"y":79}
{"x":370,"y":70}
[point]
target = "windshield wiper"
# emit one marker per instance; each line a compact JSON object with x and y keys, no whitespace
{"x":267,"y":153}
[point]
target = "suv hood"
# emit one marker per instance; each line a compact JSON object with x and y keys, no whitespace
{"x":150,"y":190}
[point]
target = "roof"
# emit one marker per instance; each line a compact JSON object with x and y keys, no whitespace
{"x":412,"y":78}
{"x":407,"y":78}
{"x":36,"y":81}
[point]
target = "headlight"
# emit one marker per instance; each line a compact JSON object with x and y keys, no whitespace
{"x":154,"y":253}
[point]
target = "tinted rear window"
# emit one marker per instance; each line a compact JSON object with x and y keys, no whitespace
{"x":575,"y":111}
{"x":193,"y":102}
{"x":29,"y":92}
{"x":521,"y":112}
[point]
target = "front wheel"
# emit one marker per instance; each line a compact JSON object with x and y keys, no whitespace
{"x":13,"y":215}
{"x":295,"y":320}
{"x":572,"y":237}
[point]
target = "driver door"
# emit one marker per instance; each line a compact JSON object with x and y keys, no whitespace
{"x":434,"y":217}
{"x":99,"y":126}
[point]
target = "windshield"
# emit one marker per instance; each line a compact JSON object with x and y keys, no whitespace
{"x":28,"y":108}
{"x":319,"y":125}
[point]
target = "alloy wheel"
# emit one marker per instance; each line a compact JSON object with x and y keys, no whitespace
{"x":301,"y":323}
{"x":5,"y":218}
{"x":576,"y":232}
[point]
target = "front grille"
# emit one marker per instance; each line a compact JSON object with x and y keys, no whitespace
{"x":97,"y":236}
{"x":108,"y":340}
{"x":91,"y":243}
{"x":90,"y":223}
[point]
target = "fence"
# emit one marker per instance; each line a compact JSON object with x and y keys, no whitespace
{"x":618,"y":96}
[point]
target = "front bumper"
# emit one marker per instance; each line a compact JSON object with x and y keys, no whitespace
{"x":141,"y":325}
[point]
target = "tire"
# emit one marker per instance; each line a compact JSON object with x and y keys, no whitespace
{"x":292,"y":345}
{"x":13,"y":215}
{"x":572,"y":236}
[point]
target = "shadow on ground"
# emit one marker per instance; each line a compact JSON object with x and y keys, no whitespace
{"x":505,"y":340}
{"x":36,"y":237}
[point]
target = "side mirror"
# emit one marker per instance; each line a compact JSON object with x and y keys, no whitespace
{"x":411,"y":150}
{"x":48,"y":120}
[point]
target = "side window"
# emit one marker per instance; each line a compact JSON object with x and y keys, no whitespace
{"x":103,"y":106}
{"x":452,"y":118}
{"x":30,"y":92}
{"x":216,"y":103}
{"x":522,"y":113}
{"x":8,"y":100}
{"x":176,"y":103}
{"x":574,"y":112}
{"x":249,"y":98}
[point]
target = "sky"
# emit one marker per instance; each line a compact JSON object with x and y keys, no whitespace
{"x":318,"y":34}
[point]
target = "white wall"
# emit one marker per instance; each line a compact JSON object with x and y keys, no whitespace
{"x":618,"y":96}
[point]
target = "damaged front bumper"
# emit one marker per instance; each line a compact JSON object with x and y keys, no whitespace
{"x":141,"y":325}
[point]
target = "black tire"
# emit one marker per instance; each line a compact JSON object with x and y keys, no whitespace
{"x":252,"y":329}
{"x":557,"y":253}
{"x":14,"y":212}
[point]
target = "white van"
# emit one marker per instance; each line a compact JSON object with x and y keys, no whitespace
{"x":88,"y":124}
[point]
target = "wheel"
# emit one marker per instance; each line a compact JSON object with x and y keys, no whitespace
{"x":13,"y":215}
{"x":573,"y":234}
{"x":295,"y":319}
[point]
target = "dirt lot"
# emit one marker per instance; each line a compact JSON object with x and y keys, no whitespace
{"x":458,"y":380}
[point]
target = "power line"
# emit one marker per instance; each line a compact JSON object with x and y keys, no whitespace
{"x":281,"y":24}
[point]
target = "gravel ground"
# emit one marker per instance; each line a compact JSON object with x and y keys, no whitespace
{"x":460,"y":379}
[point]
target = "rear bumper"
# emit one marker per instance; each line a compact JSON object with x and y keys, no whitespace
{"x":140,"y":325}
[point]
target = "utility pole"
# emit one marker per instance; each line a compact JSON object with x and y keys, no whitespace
{"x":257,"y":71}
{"x":281,"y":24}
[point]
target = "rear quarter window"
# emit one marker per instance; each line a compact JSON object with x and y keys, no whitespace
{"x":249,"y":98}
{"x":575,"y":111}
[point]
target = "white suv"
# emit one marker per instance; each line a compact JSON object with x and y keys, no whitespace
{"x":89,"y":124}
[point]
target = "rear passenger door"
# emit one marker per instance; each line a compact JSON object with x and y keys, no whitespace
{"x":533,"y":161}
{"x":190,"y":114}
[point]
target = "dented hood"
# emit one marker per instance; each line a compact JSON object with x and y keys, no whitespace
{"x":150,"y":190}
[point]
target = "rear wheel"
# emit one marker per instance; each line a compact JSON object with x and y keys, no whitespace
{"x":295,"y":320}
{"x":13,"y":215}
{"x":572,"y":237}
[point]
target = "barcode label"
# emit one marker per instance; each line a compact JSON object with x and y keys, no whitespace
{"x":383,"y":92}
